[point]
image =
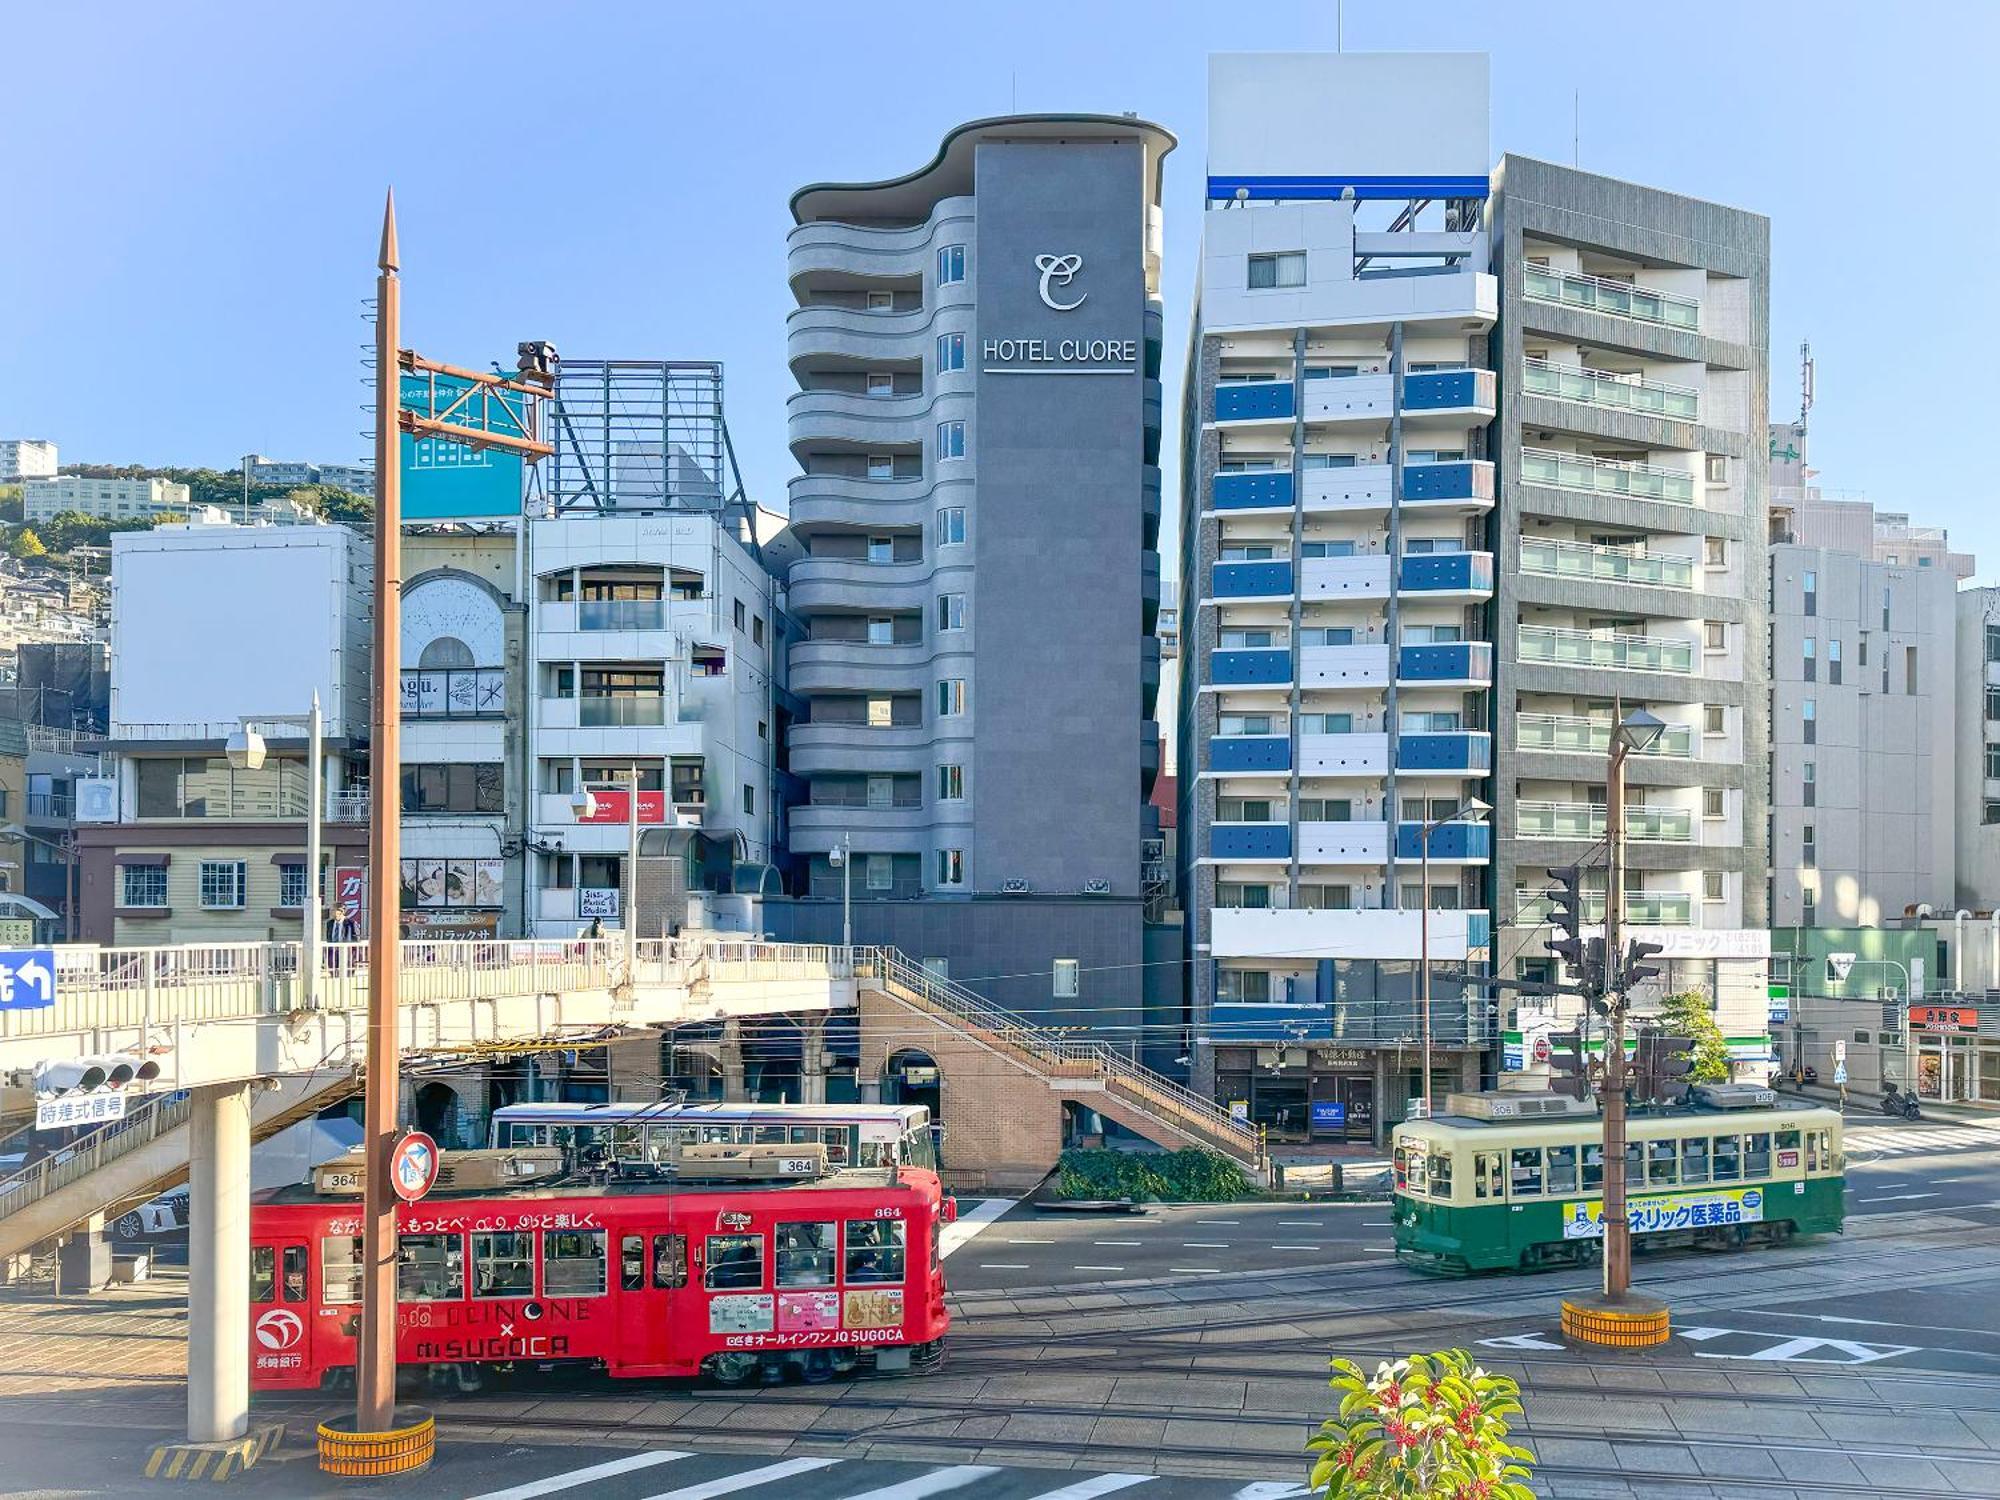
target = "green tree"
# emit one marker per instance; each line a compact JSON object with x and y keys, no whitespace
{"x":1430,"y":1427}
{"x":25,"y":544}
{"x":1688,"y":1014}
{"x":10,"y":504}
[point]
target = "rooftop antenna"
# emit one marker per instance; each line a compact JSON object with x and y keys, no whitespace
{"x":1576,"y":129}
{"x":1805,"y":383}
{"x":1340,"y":25}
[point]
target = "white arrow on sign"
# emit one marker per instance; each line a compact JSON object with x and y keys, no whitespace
{"x":1518,"y":1341}
{"x":33,"y":971}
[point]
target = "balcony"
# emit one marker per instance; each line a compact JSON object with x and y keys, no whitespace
{"x":1463,"y":843}
{"x":1463,"y":751}
{"x":1269,"y":489}
{"x":621,"y":614}
{"x":1252,"y":580}
{"x":348,"y":807}
{"x":1606,"y":476}
{"x":1468,"y":573}
{"x":469,"y":693}
{"x":1470,"y":480}
{"x":1253,"y":400}
{"x":1606,"y":564}
{"x":1643,"y":909}
{"x":1249,"y":752}
{"x":1257,"y":667}
{"x":1568,"y":734}
{"x":49,"y":807}
{"x":1469,"y":662}
{"x":1547,"y":644}
{"x":1250,"y":841}
{"x":1652,"y":398}
{"x":1448,"y":390}
{"x":636,"y":710}
{"x":1586,"y":820}
{"x":1621,"y":299}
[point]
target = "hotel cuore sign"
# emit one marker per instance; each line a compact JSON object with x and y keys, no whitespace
{"x":1060,"y":356}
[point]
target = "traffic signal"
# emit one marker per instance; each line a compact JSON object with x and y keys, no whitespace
{"x":1569,"y":1065}
{"x":1637,"y":969}
{"x":1566,"y":916}
{"x":109,"y":1070}
{"x":1673,"y":1060}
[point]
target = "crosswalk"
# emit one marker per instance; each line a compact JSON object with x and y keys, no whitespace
{"x":1908,"y":1140}
{"x":673,"y":1474}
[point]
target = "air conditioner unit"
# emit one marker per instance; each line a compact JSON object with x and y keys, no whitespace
{"x":1014,"y":885}
{"x":1097,"y":887}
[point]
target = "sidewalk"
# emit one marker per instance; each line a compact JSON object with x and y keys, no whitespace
{"x":1862,"y":1104}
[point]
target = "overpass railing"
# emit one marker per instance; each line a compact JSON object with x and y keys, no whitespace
{"x":146,"y":1123}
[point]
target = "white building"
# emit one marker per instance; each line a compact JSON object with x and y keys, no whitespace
{"x":102,"y":499}
{"x":26,"y":458}
{"x":277,"y":471}
{"x":1976,"y":692}
{"x":652,"y":643}
{"x":357,"y":478}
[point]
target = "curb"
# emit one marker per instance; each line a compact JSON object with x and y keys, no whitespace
{"x":214,"y":1462}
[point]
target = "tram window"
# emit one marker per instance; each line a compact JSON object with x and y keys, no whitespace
{"x":878,"y":1153}
{"x":805,"y":1135}
{"x":770,"y":1135}
{"x":1562,"y":1169}
{"x":503,"y":1265}
{"x":429,"y":1268}
{"x":1486,"y":1174}
{"x":874,"y":1250}
{"x":734,"y":1261}
{"x":632,"y":1263}
{"x":1694,"y":1159}
{"x":628,"y":1142}
{"x":573,"y":1263}
{"x":1728,"y":1158}
{"x":1440,"y":1170}
{"x":1757,"y":1154}
{"x":670,"y":1261}
{"x":340,"y":1268}
{"x":840,"y":1145}
{"x":1401,"y":1168}
{"x":1635,"y":1166}
{"x":1527,"y":1171}
{"x":717,"y":1135}
{"x":1788,"y":1140}
{"x":919,"y":1149}
{"x":805,"y":1254}
{"x":1593,"y":1168}
{"x":295,"y":1273}
{"x":263,"y":1273}
{"x":1660,"y":1162}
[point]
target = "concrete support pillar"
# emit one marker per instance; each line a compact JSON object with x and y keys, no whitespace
{"x":731,"y":1055}
{"x":812,"y":1056}
{"x":219,"y":1263}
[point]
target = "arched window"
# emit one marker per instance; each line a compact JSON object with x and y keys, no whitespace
{"x":445,"y":652}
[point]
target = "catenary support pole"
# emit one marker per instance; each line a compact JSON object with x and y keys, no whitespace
{"x":315,"y":811}
{"x":1617,"y":1227}
{"x":375,"y":1382}
{"x":218,"y":1344}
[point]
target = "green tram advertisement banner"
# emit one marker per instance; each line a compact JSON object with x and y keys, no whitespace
{"x":1652,"y":1215}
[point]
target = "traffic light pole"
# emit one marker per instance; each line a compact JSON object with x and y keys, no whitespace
{"x":1617,"y":1222}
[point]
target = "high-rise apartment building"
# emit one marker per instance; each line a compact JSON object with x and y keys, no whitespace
{"x":102,"y":499}
{"x":26,"y":458}
{"x":976,"y":580}
{"x":1631,"y":446}
{"x":1338,"y":578}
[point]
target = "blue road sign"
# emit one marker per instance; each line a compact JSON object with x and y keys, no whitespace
{"x":27,"y":978}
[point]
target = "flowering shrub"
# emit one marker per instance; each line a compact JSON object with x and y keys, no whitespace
{"x":1430,"y":1427}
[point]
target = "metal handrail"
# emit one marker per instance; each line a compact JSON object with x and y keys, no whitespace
{"x":33,"y":1183}
{"x":1113,"y":1068}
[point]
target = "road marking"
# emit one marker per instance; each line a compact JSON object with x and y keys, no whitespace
{"x":983,"y":1213}
{"x":1272,"y":1489}
{"x":1378,"y":1249}
{"x":1204,"y":1244}
{"x":1114,"y":1242}
{"x":1518,"y":1341}
{"x":1195,"y":1270}
{"x":1378,"y":1224}
{"x":1295,"y":1247}
{"x":1003,"y":1265}
{"x":1898,"y":1197}
{"x":1217,"y":1223}
{"x":938,"y":1480}
{"x":1031,"y":1242}
{"x":574,"y":1477}
{"x":708,"y":1489}
{"x":1097,"y":1268}
{"x":1300,"y":1223}
{"x":1089,"y":1489}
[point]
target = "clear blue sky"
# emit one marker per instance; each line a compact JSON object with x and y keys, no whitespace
{"x":196,"y":189}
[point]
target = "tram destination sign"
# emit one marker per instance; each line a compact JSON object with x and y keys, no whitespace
{"x":1944,"y":1019}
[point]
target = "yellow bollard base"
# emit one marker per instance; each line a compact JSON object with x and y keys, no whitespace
{"x":405,"y":1448}
{"x":214,"y":1461}
{"x":1633,"y":1321}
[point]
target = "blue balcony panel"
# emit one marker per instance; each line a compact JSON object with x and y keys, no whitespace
{"x":1456,"y":481}
{"x":1250,"y":841}
{"x":1444,"y":752}
{"x":1251,"y":666}
{"x":1447,"y":572}
{"x":1252,"y":399}
{"x":1251,"y":1021}
{"x":1253,"y":580}
{"x":1451,"y":841}
{"x":1447,"y":390}
{"x":1249,"y":752}
{"x":1459,"y":661}
{"x":1479,"y":929}
{"x":1264,"y":490}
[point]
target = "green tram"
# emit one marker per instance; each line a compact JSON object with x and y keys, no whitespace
{"x":1507,"y":1181}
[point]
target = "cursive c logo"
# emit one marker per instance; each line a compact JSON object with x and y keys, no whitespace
{"x":1056,"y":271}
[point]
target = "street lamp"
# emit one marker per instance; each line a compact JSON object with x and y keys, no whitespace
{"x":1634,"y":734}
{"x":1472,"y":812}
{"x":841,"y":857}
{"x":245,"y":749}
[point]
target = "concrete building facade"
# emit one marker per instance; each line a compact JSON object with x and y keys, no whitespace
{"x":1336,"y":660}
{"x":102,"y":499}
{"x":975,"y":572}
{"x":26,"y":458}
{"x":1631,"y":456}
{"x":1976,"y":801}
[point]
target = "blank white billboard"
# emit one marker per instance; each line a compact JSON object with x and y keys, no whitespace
{"x":1321,"y":114}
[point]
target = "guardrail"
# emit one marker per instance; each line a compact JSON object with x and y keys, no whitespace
{"x":58,"y":1170}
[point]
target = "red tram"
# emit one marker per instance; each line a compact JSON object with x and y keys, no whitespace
{"x":738,"y":1263}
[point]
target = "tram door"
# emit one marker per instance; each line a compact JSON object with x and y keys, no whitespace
{"x":652,"y":1269}
{"x":279,"y":1312}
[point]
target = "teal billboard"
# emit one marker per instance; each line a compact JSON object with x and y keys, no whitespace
{"x":447,"y":481}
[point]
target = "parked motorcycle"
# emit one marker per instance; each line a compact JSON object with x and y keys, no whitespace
{"x":1803,"y":1074}
{"x":1897,"y":1103}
